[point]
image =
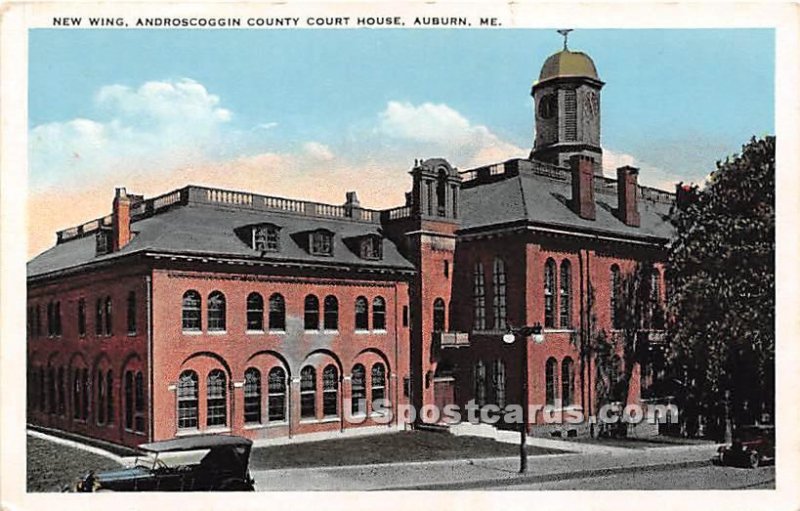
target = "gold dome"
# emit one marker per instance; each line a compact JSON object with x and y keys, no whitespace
{"x":568,"y":63}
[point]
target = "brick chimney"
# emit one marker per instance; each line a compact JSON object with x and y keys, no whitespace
{"x":583,"y":186}
{"x":351,"y":204}
{"x":120,"y":220}
{"x":627,"y":188}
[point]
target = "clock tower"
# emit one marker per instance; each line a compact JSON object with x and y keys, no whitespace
{"x":566,"y":101}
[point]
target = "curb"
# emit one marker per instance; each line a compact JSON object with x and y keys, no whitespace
{"x":75,"y":445}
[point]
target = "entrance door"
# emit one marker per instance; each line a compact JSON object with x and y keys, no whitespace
{"x":444,"y":391}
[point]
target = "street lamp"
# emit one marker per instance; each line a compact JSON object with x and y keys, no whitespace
{"x":538,"y":337}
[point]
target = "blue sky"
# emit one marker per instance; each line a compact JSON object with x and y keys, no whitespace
{"x":280,"y":111}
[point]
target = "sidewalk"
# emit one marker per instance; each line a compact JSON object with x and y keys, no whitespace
{"x":474,"y":474}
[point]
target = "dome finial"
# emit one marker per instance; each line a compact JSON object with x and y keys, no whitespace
{"x":565,"y":32}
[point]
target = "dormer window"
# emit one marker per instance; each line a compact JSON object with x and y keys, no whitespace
{"x":321,"y":242}
{"x":102,"y":242}
{"x":266,"y":238}
{"x":371,"y":248}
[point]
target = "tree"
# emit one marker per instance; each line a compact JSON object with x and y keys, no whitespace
{"x":722,"y":289}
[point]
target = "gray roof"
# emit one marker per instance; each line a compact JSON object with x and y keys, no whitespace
{"x":196,"y":442}
{"x":203,"y":229}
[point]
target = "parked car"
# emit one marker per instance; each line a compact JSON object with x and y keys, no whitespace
{"x":751,"y":446}
{"x":196,"y":463}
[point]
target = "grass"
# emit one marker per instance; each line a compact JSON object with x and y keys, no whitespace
{"x":385,"y":448}
{"x":641,"y":443}
{"x":52,"y":465}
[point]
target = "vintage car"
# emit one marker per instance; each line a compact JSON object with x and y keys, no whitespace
{"x":751,"y":446}
{"x":196,"y":463}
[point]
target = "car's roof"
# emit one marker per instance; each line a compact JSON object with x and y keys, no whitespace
{"x":196,"y":442}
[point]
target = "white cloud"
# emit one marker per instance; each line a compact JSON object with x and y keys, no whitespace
{"x":648,"y":175}
{"x":318,"y":151}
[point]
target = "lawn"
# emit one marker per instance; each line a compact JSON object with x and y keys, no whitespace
{"x":386,"y":448}
{"x":52,"y":465}
{"x":642,"y":443}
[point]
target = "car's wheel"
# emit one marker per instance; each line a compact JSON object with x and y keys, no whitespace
{"x":754,"y":459}
{"x":233,"y":485}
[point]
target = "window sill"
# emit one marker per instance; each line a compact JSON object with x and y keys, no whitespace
{"x":380,"y":332}
{"x":325,"y":420}
{"x":217,"y":429}
{"x":133,"y":334}
{"x":268,"y":425}
{"x":276,"y":332}
{"x":361,"y":332}
{"x":217,"y":332}
{"x":254,"y":332}
{"x":331,"y":332}
{"x":312,"y":332}
{"x":558,"y":330}
{"x":192,"y":332}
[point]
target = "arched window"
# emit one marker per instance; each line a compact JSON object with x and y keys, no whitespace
{"x":138,"y":417}
{"x":331,"y":318}
{"x":378,"y":313}
{"x":567,"y":382}
{"x":358,"y":404}
{"x":362,"y":314}
{"x":378,"y":385}
{"x":276,"y":395}
{"x":85,"y":394}
{"x":216,"y":399}
{"x":82,"y":317}
{"x":191,"y":311}
{"x":438,"y":315}
{"x":499,"y":383}
{"x":187,"y":400}
{"x":499,"y":298}
{"x":255,"y":312}
{"x":109,"y":322}
{"x":98,"y":317}
{"x":51,"y":390}
{"x":549,"y":294}
{"x":76,"y":393}
{"x":100,"y":403}
{"x":616,"y":285}
{"x":252,"y":396}
{"x":479,"y":378}
{"x":277,"y":313}
{"x":308,"y":393}
{"x":330,"y":391}
{"x":216,"y":312}
{"x":478,"y":298}
{"x":57,"y":314}
{"x":51,"y":324}
{"x":311,"y":313}
{"x":42,"y":390}
{"x":62,"y":403}
{"x":551,"y":381}
{"x":565,"y":295}
{"x":131,"y":308}
{"x":110,"y":397}
{"x":441,"y":193}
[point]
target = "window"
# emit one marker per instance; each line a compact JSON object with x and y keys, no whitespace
{"x":616,"y":317}
{"x":216,"y":312}
{"x":62,"y":402}
{"x":549,"y":293}
{"x":216,"y":390}
{"x":76,"y":393}
{"x":551,"y":384}
{"x":615,"y":376}
{"x":100,"y":403}
{"x":441,"y":192}
{"x":479,"y":378}
{"x":378,"y":385}
{"x":438,"y":315}
{"x":108,"y":322}
{"x":446,"y":269}
{"x":499,"y":383}
{"x":308,"y":393}
{"x":98,"y":317}
{"x":276,"y":398}
{"x":109,"y":397}
{"x":321,"y":243}
{"x":50,"y":321}
{"x":138,"y":418}
{"x":479,"y":298}
{"x":85,"y":393}
{"x":372,"y":247}
{"x":330,"y":391}
{"x":42,"y":389}
{"x":131,"y":309}
{"x":567,"y":382}
{"x":252,"y":396}
{"x":266,"y":238}
{"x":362,"y":314}
{"x":102,"y":242}
{"x":277,"y":313}
{"x":255,"y":312}
{"x":657,"y":311}
{"x":358,"y":387}
{"x":51,"y":390}
{"x":379,"y":313}
{"x":191,"y":311}
{"x":82,"y":317}
{"x":311,"y":314}
{"x":187,"y":400}
{"x":57,"y":318}
{"x":499,"y":285}
{"x":37,"y":322}
{"x":405,"y":315}
{"x":565,"y":295}
{"x":331,"y":319}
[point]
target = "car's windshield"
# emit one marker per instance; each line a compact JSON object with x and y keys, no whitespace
{"x":749,"y":433}
{"x":171,"y":459}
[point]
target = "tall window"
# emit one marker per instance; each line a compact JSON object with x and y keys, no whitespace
{"x":51,"y":324}
{"x":549,"y":294}
{"x":331,"y":318}
{"x":108,"y":321}
{"x":76,"y":393}
{"x":82,"y":317}
{"x":479,"y":298}
{"x":216,"y":312}
{"x":277,"y":313}
{"x":191,"y":311}
{"x":441,"y":193}
{"x":565,"y":295}
{"x":276,"y":395}
{"x":138,"y":416}
{"x":100,"y":403}
{"x":657,"y":312}
{"x":567,"y":382}
{"x":499,"y":383}
{"x":616,"y":288}
{"x":51,"y":390}
{"x":252,"y":396}
{"x":378,"y":313}
{"x":187,"y":400}
{"x":615,"y":376}
{"x":362,"y":314}
{"x":438,"y":315}
{"x":479,"y":378}
{"x":358,"y":387}
{"x":499,"y":299}
{"x":131,"y":309}
{"x":85,"y":394}
{"x":551,"y":380}
{"x":216,"y":402}
{"x":255,"y":312}
{"x":308,"y":393}
{"x":58,"y":318}
{"x":330,"y":391}
{"x":110,"y":397}
{"x":311,"y":313}
{"x":62,"y":403}
{"x":378,"y":390}
{"x":98,"y":317}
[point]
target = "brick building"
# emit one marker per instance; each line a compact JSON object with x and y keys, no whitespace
{"x":206,"y":310}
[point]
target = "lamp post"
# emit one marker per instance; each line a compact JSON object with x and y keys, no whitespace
{"x":509,"y":338}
